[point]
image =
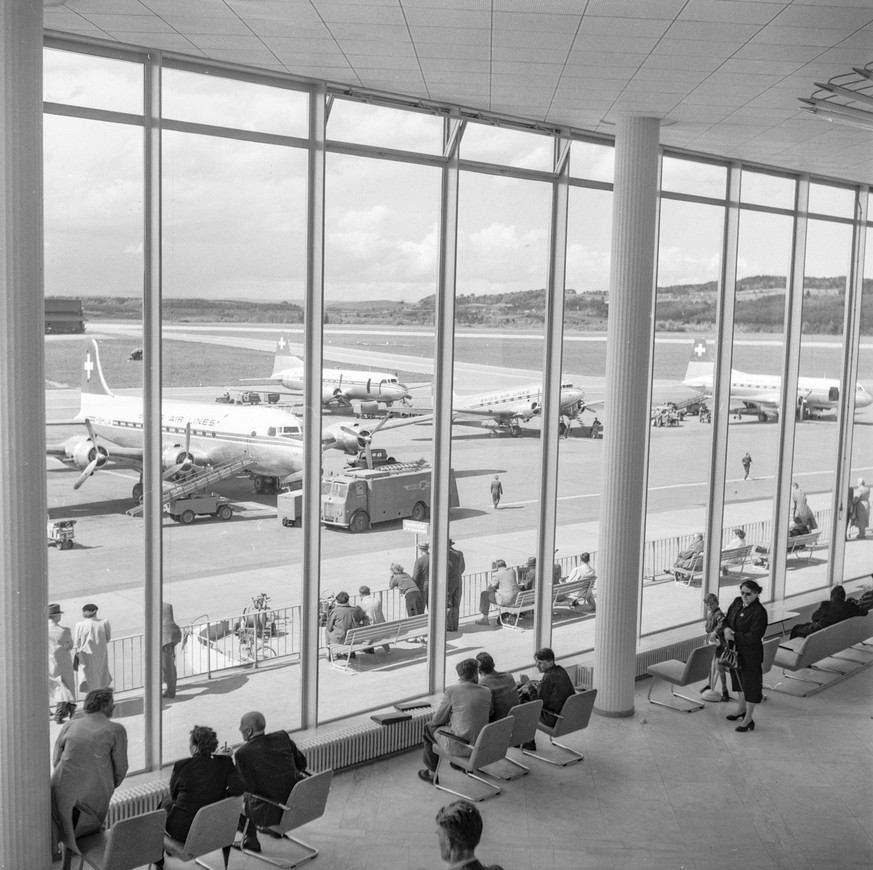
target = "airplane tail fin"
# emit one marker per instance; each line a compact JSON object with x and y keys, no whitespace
{"x":283,"y":358}
{"x":93,"y":382}
{"x":700,"y":364}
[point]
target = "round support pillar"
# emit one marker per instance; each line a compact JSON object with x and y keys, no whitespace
{"x":629,"y":351}
{"x":24,"y":723}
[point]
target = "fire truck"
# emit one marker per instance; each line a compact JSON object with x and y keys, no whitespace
{"x":359,"y":497}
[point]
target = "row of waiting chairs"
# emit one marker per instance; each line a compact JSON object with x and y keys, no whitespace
{"x":464,"y":776}
{"x":140,"y":840}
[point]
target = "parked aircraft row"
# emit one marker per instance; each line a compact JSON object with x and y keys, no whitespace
{"x":762,"y":393}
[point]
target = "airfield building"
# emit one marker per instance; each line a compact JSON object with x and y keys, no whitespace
{"x":449,"y":147}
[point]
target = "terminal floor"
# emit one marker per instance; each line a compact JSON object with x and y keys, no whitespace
{"x":657,"y":790}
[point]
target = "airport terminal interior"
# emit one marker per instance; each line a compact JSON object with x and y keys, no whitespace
{"x":343,"y":292}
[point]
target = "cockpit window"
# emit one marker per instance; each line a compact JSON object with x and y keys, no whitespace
{"x":290,"y":431}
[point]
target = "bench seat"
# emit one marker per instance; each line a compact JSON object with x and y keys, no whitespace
{"x":797,"y":546}
{"x":525,"y":600}
{"x":580,"y":590}
{"x":804,"y":653}
{"x":368,"y":636}
{"x":732,"y":557}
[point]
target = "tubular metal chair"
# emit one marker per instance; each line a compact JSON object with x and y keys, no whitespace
{"x":525,"y":717}
{"x":127,"y":844}
{"x":214,"y":827}
{"x":490,"y":746}
{"x":771,"y":647}
{"x":574,"y":716}
{"x":683,"y":674}
{"x":306,"y":803}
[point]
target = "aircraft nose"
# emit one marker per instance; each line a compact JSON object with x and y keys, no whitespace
{"x":866,"y":399}
{"x":394,"y":392}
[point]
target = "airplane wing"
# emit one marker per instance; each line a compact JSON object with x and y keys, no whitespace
{"x":765,"y":398}
{"x":273,"y":380}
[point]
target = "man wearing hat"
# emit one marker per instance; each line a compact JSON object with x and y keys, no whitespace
{"x":454,"y":586}
{"x":421,"y":572}
{"x":91,"y":638}
{"x":171,"y":634}
{"x":62,"y":681}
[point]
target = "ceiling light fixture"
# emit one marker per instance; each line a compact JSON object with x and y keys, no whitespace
{"x":844,"y":99}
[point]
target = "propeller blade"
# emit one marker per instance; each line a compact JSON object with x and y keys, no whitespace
{"x":89,"y":470}
{"x":91,"y":434}
{"x":368,"y":454}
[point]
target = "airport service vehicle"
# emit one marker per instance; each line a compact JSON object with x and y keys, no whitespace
{"x":289,"y":508}
{"x":360,"y":497}
{"x":187,"y":507}
{"x":61,"y":533}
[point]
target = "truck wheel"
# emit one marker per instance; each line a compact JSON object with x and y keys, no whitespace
{"x":137,"y":493}
{"x":225,"y":512}
{"x":186,"y":517}
{"x":419,"y":511}
{"x":68,"y":545}
{"x":360,"y":522}
{"x":59,"y":545}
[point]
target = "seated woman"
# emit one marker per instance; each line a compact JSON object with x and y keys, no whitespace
{"x":830,"y":613}
{"x":197,"y":781}
{"x":690,"y":559}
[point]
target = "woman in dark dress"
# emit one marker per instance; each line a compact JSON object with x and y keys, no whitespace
{"x":202,"y":779}
{"x":746,"y":625}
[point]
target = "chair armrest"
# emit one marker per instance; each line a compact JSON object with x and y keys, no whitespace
{"x":453,"y":736}
{"x":266,"y":800}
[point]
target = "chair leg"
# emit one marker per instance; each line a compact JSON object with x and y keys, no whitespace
{"x":474,"y":792}
{"x":695,"y":704}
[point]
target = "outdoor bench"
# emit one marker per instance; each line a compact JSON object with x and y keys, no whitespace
{"x":796,"y":546}
{"x":730,"y":557}
{"x":368,"y":636}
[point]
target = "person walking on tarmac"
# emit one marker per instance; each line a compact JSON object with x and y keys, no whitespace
{"x":747,"y":464}
{"x":496,"y":491}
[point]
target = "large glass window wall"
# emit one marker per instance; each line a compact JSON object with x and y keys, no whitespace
{"x":236,"y":211}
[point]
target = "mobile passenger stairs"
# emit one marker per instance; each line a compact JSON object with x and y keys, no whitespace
{"x":196,"y":483}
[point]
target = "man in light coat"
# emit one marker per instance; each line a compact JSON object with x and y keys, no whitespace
{"x":91,"y":638}
{"x":62,"y":680}
{"x":372,"y":607}
{"x":465,"y":708}
{"x":90,"y":762}
{"x":502,"y":589}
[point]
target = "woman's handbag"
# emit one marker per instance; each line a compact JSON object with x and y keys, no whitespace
{"x":728,"y":658}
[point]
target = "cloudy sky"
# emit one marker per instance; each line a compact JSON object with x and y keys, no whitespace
{"x":234,"y":211}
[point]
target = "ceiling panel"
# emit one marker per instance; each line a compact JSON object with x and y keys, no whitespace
{"x":725,"y":74}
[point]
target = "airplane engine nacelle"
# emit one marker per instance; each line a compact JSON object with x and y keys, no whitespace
{"x":536,"y":409}
{"x":328,"y":395}
{"x":82,"y":453}
{"x":176,"y":455}
{"x":350,"y":439}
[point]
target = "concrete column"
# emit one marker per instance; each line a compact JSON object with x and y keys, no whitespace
{"x":24,"y":725}
{"x":628,"y":358}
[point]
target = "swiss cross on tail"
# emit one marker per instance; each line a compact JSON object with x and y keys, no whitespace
{"x":699,"y":349}
{"x":92,"y":373}
{"x":700,"y":365}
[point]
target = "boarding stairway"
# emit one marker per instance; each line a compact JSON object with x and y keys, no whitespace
{"x":197,"y":482}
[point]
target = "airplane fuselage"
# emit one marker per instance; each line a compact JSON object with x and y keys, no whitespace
{"x":219,"y":433}
{"x":522,"y":403}
{"x":348,"y":385}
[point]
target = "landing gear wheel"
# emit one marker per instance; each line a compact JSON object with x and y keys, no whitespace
{"x":260,"y":483}
{"x":419,"y":511}
{"x":225,"y":512}
{"x":186,"y":517}
{"x":514,"y":431}
{"x":360,"y":522}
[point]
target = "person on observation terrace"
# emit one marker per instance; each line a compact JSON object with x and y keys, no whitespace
{"x":372,"y":607}
{"x":502,"y":589}
{"x":270,"y":766}
{"x":454,"y":586}
{"x":343,"y":618}
{"x":583,"y":571}
{"x":406,"y":586}
{"x":421,"y":573}
{"x":690,"y":559}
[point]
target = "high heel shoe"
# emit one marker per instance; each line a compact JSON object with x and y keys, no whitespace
{"x":744,"y":728}
{"x":734,"y":716}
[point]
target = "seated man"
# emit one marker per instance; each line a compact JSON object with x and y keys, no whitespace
{"x":690,"y":559}
{"x":459,"y":828}
{"x":343,"y":618}
{"x":830,"y":613}
{"x":465,"y":708}
{"x":504,"y":695}
{"x":583,"y":571}
{"x":501,"y":590}
{"x":554,"y":688}
{"x":270,"y":766}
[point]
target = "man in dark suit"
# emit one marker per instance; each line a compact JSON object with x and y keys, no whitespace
{"x":171,"y":634}
{"x":270,"y":766}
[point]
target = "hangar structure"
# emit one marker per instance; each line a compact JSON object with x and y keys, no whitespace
{"x":772,"y":94}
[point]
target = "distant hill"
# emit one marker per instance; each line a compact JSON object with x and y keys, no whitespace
{"x":760,"y":307}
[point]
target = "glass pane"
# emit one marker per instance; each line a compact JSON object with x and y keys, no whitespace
{"x":234,"y":243}
{"x":489,"y":144}
{"x":581,"y":450}
{"x":690,"y":176}
{"x":679,"y":448}
{"x":503,"y":265}
{"x":591,"y":160}
{"x":764,"y":258}
{"x":819,"y":393}
{"x":772,"y":190}
{"x":223,"y":102}
{"x":93,"y":282}
{"x":826,"y":199}
{"x":380,"y":285}
{"x":856,"y":561}
{"x":365,"y":124}
{"x":93,"y":82}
